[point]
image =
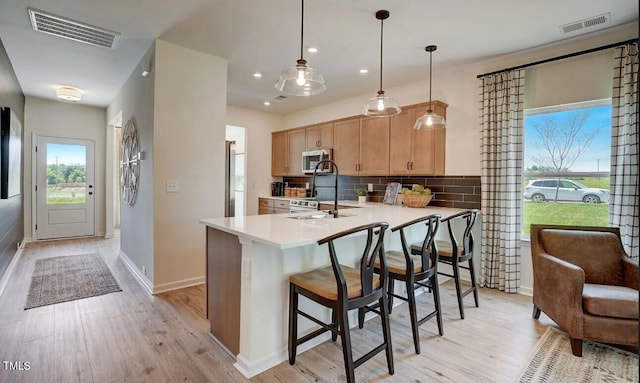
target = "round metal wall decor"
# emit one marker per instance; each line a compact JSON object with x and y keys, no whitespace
{"x":129,"y":163}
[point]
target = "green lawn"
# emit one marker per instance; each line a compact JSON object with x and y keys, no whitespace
{"x":581,"y":214}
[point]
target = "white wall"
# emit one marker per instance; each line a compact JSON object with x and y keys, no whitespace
{"x":458,"y":87}
{"x":189,"y":147}
{"x":258,"y":127}
{"x":61,"y":119}
{"x":135,"y":101}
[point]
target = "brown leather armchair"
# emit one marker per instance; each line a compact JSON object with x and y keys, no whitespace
{"x":585,"y":282}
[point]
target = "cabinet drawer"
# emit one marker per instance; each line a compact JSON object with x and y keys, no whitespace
{"x":282,"y":204}
{"x":265,"y":202}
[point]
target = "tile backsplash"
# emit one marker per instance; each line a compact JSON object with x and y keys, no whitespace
{"x":449,"y":191}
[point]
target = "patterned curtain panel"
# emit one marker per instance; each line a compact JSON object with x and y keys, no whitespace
{"x":502,"y":110}
{"x":624,"y":201}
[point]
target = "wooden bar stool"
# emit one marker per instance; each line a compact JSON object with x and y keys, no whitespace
{"x":342,"y":288}
{"x":453,"y":253}
{"x":415,"y":271}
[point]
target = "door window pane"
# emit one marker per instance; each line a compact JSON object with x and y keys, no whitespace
{"x":66,"y":174}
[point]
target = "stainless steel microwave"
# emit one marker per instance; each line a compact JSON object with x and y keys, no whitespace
{"x":311,"y":158}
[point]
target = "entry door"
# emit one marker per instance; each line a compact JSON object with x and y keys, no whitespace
{"x":64,"y":188}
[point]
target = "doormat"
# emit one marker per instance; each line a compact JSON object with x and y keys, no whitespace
{"x":67,"y":278}
{"x":552,"y":361}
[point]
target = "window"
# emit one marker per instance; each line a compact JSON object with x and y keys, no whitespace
{"x":567,"y":150}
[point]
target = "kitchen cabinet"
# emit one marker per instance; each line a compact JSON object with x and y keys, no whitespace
{"x":272,"y":206}
{"x":361,"y":146}
{"x":319,"y":136}
{"x":416,"y":152}
{"x":286,"y":152}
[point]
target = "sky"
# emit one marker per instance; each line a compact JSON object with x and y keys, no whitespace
{"x":67,"y":154}
{"x":596,"y":158}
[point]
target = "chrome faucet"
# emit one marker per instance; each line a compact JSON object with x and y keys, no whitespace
{"x":314,"y":192}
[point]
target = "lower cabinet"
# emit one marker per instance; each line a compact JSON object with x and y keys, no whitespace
{"x":272,"y":206}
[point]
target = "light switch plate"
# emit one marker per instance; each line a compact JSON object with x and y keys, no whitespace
{"x":172,"y":186}
{"x":370,"y":187}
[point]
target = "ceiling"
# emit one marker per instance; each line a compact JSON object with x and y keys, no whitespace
{"x":264,"y":36}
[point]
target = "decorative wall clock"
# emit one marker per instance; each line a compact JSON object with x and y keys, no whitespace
{"x":129,"y":164}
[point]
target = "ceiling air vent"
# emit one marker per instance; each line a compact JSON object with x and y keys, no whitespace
{"x":596,"y":21}
{"x":72,"y":30}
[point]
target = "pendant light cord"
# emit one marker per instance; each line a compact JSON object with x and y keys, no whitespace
{"x":302,"y":30}
{"x":430,"y":78}
{"x":381,"y":34}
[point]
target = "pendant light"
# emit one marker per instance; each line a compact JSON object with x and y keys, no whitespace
{"x":301,"y":80}
{"x":430,"y":120}
{"x":381,"y":105}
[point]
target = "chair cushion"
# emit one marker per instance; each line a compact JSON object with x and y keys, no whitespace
{"x":610,"y":301}
{"x":323,"y":283}
{"x":397,"y":264}
{"x":444,"y":249}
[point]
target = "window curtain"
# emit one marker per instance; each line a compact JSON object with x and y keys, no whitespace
{"x":623,"y":202}
{"x":501,"y":113}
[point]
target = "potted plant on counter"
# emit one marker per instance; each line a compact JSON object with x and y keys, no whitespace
{"x":362,"y":195}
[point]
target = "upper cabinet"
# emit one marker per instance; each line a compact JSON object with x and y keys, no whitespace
{"x":368,"y":146}
{"x":319,"y":136}
{"x":417,"y":152}
{"x":286,"y":152}
{"x":361,"y":146}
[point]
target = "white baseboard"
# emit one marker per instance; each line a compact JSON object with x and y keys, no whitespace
{"x":142,"y":279}
{"x":160,"y":288}
{"x":176,"y":285}
{"x":525,"y":290}
{"x":7,"y":274}
{"x":109,"y":235}
{"x":250,"y":370}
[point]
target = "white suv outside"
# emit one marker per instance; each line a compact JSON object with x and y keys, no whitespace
{"x":545,"y":189}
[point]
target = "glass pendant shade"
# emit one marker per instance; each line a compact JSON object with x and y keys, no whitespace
{"x":301,"y":80}
{"x":430,"y":120}
{"x":381,"y":106}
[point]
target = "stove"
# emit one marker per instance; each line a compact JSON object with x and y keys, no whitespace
{"x":299,"y":205}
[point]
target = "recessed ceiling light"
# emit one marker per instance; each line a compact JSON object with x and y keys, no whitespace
{"x":257,"y":75}
{"x":312,"y":50}
{"x":364,"y":71}
{"x":67,"y":93}
{"x":267,"y":103}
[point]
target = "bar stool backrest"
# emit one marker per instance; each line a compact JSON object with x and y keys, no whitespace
{"x":469,"y":216}
{"x":429,"y":253}
{"x":373,"y":248}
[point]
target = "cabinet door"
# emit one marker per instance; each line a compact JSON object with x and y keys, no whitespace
{"x":346,"y":136}
{"x":296,"y":147}
{"x":428,"y":146}
{"x":320,"y":136}
{"x":374,"y":146}
{"x":279,"y":153}
{"x":400,"y":136}
{"x":423,"y":155}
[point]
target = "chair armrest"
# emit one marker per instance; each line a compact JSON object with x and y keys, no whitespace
{"x":557,"y":291}
{"x":630,"y":269}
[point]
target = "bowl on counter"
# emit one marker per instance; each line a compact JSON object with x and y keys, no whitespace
{"x":417,"y":201}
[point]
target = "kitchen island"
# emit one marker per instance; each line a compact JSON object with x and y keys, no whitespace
{"x":249,"y":260}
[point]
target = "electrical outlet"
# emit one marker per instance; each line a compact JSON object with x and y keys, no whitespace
{"x":246,"y":269}
{"x":172,"y":186}
{"x":370,"y":187}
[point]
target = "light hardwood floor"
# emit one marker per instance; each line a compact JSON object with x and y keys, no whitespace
{"x":131,"y":336}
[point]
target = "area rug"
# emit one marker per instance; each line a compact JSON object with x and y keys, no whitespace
{"x":67,"y":278}
{"x":552,"y":361}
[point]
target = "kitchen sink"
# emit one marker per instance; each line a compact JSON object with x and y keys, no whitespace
{"x":319,"y":215}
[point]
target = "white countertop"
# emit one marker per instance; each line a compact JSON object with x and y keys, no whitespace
{"x":279,"y":231}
